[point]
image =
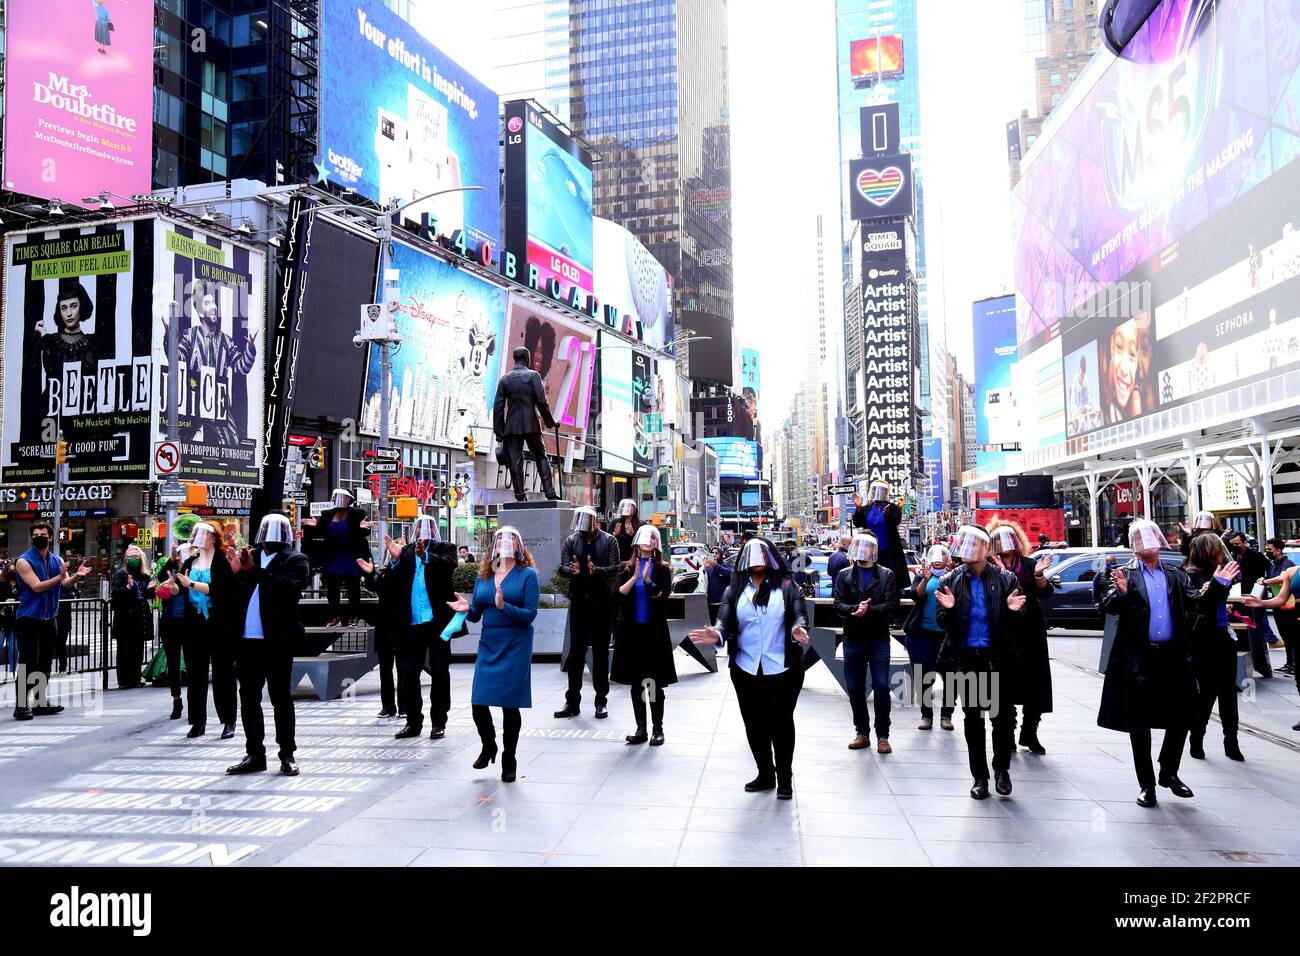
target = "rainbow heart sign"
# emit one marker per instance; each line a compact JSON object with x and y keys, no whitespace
{"x":879,"y":187}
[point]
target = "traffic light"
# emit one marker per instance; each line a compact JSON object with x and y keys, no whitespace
{"x":61,"y":452}
{"x":469,"y":444}
{"x":318,"y":456}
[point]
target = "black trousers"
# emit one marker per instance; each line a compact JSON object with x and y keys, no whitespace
{"x":976,"y":687}
{"x":36,"y":641}
{"x":205,"y":645}
{"x":1288,"y":627}
{"x":389,"y":692}
{"x":656,"y":705}
{"x":589,"y":626}
{"x":170,"y":630}
{"x":419,"y":642}
{"x":1259,"y":637}
{"x":511,"y":720}
{"x":334,"y":583}
{"x":65,"y":631}
{"x":713,"y":613}
{"x":767,"y":703}
{"x":514,"y":446}
{"x":1171,"y":754}
{"x":269,"y":662}
{"x":1216,"y":680}
{"x":130,"y":654}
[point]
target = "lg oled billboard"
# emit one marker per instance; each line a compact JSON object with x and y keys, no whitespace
{"x":548,"y":202}
{"x":78,"y":98}
{"x":399,"y":120}
{"x":737,"y":457}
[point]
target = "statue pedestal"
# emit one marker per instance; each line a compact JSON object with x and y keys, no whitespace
{"x":543,"y":525}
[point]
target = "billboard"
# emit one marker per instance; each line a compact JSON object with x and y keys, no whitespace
{"x":548,"y":202}
{"x":78,"y":117}
{"x":997,"y":413}
{"x":629,"y":277}
{"x":879,"y":126}
{"x":416,"y":124}
{"x":888,"y":380}
{"x":1156,"y":249}
{"x":445,"y":373}
{"x":709,"y":360}
{"x":564,"y":354}
{"x":876,"y":58}
{"x":749,"y":375}
{"x":737,"y":457}
{"x":932,"y":456}
{"x":618,"y":405}
{"x":880,"y":187}
{"x":87,"y":313}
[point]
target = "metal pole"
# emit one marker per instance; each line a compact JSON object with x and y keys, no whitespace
{"x":173,"y":360}
{"x":386,"y":368}
{"x":58,"y":493}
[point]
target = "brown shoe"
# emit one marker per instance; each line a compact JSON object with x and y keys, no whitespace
{"x":860,"y":742}
{"x":882,"y":746}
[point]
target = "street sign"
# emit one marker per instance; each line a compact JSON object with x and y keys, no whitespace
{"x":297,"y":497}
{"x":388,"y":452}
{"x":166,"y":457}
{"x":319,"y":508}
{"x":382,"y":467}
{"x":171,"y":492}
{"x":841,"y":489}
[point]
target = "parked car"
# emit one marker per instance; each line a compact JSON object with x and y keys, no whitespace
{"x":686,"y":556}
{"x":1070,"y":603}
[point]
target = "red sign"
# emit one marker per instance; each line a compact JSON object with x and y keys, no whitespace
{"x":421,"y":489}
{"x":1128,"y":498}
{"x":1035,"y":521}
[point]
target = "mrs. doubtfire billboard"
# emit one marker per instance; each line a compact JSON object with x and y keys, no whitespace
{"x":78,"y":97}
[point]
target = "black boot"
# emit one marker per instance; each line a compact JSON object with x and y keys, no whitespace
{"x":785,"y":787}
{"x":176,"y":708}
{"x":639,"y":737}
{"x":760,"y":783}
{"x":198,"y":730}
{"x":657,"y":737}
{"x":1196,"y":746}
{"x":508,"y":764}
{"x":408,"y":731}
{"x":1232,"y":749}
{"x":487,"y":755}
{"x":1029,"y":739}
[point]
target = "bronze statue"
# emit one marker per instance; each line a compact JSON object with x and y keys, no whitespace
{"x":520,"y":398}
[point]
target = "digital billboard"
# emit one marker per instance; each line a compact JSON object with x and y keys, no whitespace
{"x":711,"y":352}
{"x":630,"y":278}
{"x":932,"y":458}
{"x":737,"y":457}
{"x":444,"y":376}
{"x":1156,"y":248}
{"x":880,"y":187}
{"x":876,"y":58}
{"x":620,"y":403}
{"x":997,"y":413}
{"x":548,"y":202}
{"x":399,"y":119}
{"x":888,"y":377}
{"x":78,"y":117}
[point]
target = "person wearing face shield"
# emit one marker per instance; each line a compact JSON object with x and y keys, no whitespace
{"x":978,"y":603}
{"x":764,"y":623}
{"x":342,"y":538}
{"x":624,"y":528}
{"x":207,"y":579}
{"x":924,"y":636}
{"x":589,"y":560}
{"x":420,"y":576}
{"x":264,"y":612}
{"x":1214,"y":653}
{"x":866,"y":597}
{"x":1010,"y":548}
{"x":505,"y":599}
{"x":643,"y":649}
{"x":1149,"y":680}
{"x":41,"y":574}
{"x":1203,"y":522}
{"x":1254,"y":567}
{"x":171,"y":619}
{"x":131,"y":590}
{"x":881,"y":517}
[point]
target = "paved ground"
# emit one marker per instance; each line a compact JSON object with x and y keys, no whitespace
{"x":115,"y":782}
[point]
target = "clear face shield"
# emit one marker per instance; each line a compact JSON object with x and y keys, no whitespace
{"x":274,"y":530}
{"x":756,"y":555}
{"x":1004,"y":540}
{"x":938,"y":556}
{"x":627,"y":508}
{"x":647,"y":534}
{"x":340,"y":499}
{"x":1146,"y":536}
{"x":184,"y":551}
{"x":863,"y":547}
{"x":970,"y":544}
{"x":879,"y":491}
{"x":507,"y":544}
{"x":1204,"y":521}
{"x":203,"y":536}
{"x":584,"y":520}
{"x":425,"y":528}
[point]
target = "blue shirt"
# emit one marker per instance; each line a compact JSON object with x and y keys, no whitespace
{"x":760,"y":643}
{"x":1161,"y":628}
{"x":977,"y":628}
{"x":337,"y":539}
{"x":929,"y":606}
{"x":642,"y":597}
{"x":202,"y":602}
{"x":865,"y":576}
{"x":421,"y":609}
{"x":878,"y":526}
{"x":253,"y":619}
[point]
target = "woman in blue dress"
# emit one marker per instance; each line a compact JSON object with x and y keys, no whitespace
{"x":103,"y":27}
{"x":505,"y":598}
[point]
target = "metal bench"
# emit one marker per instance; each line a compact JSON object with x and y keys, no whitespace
{"x":332,"y":669}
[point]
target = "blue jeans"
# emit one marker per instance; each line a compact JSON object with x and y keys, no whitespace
{"x":8,"y":649}
{"x":858,"y":657}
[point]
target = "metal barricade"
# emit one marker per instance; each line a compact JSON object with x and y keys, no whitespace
{"x":84,"y":626}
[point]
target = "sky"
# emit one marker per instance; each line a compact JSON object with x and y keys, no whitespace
{"x":785,"y":169}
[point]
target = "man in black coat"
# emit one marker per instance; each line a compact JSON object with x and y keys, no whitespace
{"x":589,"y":560}
{"x":1254,"y":567}
{"x":1149,"y":679}
{"x":979,"y":658}
{"x":866,"y":597}
{"x":264,"y":597}
{"x":420,"y":576}
{"x":521,"y":396}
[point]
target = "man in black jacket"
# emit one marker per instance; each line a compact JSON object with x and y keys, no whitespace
{"x":978,"y":657}
{"x":1149,"y":679}
{"x":265,"y":596}
{"x":420,"y":575}
{"x":521,"y":396}
{"x":1254,"y":567}
{"x":589,"y":560}
{"x":717,"y":578}
{"x":866,"y":597}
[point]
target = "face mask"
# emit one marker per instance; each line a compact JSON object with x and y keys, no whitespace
{"x":40,"y":541}
{"x":274,"y":547}
{"x":133,"y":565}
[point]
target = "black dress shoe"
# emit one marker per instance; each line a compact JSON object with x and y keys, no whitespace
{"x":1232,"y":750}
{"x":249,"y":764}
{"x":408,"y":731}
{"x":289,"y":767}
{"x":1147,"y":797}
{"x":486,"y":756}
{"x":980,"y":790}
{"x":22,"y":713}
{"x":601,"y":712}
{"x":785,"y":790}
{"x":1002,"y":782}
{"x":508,"y":767}
{"x":760,"y":783}
{"x":568,"y":710}
{"x":1196,"y":747}
{"x":47,"y":710}
{"x":386,"y":713}
{"x":177,"y":708}
{"x":1178,"y":788}
{"x":198,"y":730}
{"x":639,"y":737}
{"x":1295,"y":726}
{"x":227,"y":731}
{"x":438,"y":732}
{"x":657,"y":738}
